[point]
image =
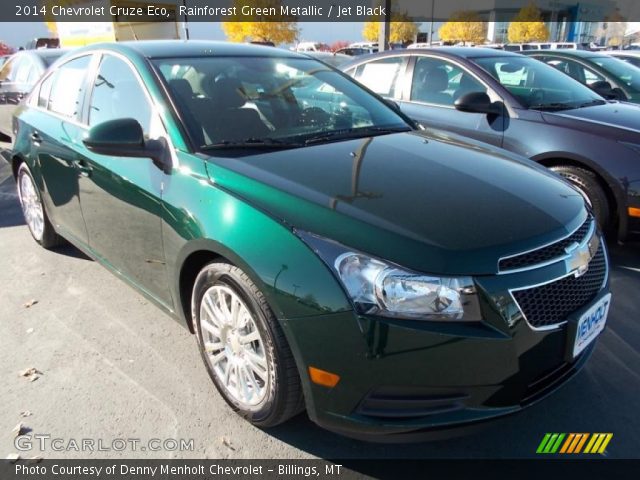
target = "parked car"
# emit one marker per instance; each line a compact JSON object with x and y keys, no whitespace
{"x":40,"y":43}
{"x":312,"y":47}
{"x":629,"y":56}
{"x":333,"y":59}
{"x":523,"y":47}
{"x":355,"y":51}
{"x":3,"y":59}
{"x":18,"y":75}
{"x":317,"y":243}
{"x":610,"y":77}
{"x":524,"y":106}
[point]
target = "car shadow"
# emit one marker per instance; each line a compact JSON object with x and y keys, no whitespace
{"x":11,"y":215}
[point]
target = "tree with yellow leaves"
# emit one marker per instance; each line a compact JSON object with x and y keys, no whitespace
{"x":464,"y":26}
{"x":402,"y":29}
{"x":527,"y":26}
{"x":285,"y":30}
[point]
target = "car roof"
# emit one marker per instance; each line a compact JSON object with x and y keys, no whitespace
{"x":451,"y":52}
{"x":46,"y":53}
{"x":629,"y":53}
{"x":194,"y":48}
{"x":568,"y":53}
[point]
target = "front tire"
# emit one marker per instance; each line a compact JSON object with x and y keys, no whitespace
{"x":243,"y":346}
{"x":589,"y":186}
{"x":33,"y":210}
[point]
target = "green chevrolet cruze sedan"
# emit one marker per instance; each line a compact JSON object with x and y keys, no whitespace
{"x":326,"y":253}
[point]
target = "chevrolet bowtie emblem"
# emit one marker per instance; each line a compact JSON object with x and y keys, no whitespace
{"x":580,"y":256}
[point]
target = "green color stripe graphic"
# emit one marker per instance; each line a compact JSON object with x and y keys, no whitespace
{"x":557,"y":444}
{"x":543,"y":443}
{"x":550,"y":443}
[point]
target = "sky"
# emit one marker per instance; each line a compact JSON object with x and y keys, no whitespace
{"x":18,"y":34}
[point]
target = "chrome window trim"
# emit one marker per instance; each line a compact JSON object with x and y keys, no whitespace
{"x":98,"y":55}
{"x":588,"y":237}
{"x":557,"y":326}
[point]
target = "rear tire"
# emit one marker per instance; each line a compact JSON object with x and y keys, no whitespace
{"x":33,"y":210}
{"x":243,"y":346}
{"x":588,"y":185}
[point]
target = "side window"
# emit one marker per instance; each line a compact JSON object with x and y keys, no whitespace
{"x":67,"y":87}
{"x":440,"y":82}
{"x":6,"y":73}
{"x":382,"y":76}
{"x":45,"y":91}
{"x":576,"y":71}
{"x":117,"y":93}
{"x":23,"y":69}
{"x":592,"y":77}
{"x":34,"y":75}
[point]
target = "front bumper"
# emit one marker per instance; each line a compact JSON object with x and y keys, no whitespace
{"x":400,"y":377}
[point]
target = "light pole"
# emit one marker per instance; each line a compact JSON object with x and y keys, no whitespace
{"x":383,"y":37}
{"x":433,"y":7}
{"x":186,"y":20}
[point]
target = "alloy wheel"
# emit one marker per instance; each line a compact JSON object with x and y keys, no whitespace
{"x":234,"y":346}
{"x":31,"y":205}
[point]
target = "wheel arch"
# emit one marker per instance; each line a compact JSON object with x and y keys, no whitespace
{"x":193,"y":257}
{"x":16,"y":160}
{"x":612,"y":190}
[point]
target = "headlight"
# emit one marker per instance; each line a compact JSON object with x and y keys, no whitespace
{"x":380,"y":288}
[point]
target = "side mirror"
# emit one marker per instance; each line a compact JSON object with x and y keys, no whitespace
{"x":602,"y":88}
{"x":124,"y":137}
{"x":477,"y":102}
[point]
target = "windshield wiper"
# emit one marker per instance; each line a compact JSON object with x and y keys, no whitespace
{"x":592,"y":103}
{"x":354,"y":133}
{"x":257,"y":143}
{"x":552,"y":106}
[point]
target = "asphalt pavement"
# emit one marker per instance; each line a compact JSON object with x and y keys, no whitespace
{"x":115,"y":367}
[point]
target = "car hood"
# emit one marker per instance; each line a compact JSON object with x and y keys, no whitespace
{"x":432,"y":202}
{"x":619,"y":115}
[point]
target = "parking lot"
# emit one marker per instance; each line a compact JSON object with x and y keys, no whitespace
{"x":114,"y":366}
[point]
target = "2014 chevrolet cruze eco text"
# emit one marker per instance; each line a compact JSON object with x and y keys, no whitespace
{"x":325,"y":252}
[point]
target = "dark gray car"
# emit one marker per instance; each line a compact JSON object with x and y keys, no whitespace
{"x":526,"y":107}
{"x":18,"y":75}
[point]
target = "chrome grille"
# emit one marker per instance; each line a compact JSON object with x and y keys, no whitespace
{"x":545,"y":254}
{"x":553,"y":302}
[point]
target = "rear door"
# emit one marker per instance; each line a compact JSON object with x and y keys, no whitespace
{"x":121,"y":197}
{"x":384,"y":76}
{"x":56,"y":135}
{"x":434,"y":85}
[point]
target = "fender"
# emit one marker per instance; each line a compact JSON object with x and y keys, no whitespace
{"x":611,"y":183}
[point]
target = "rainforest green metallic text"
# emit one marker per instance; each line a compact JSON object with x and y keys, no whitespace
{"x":263,"y":163}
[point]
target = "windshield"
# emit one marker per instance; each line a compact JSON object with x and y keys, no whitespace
{"x":623,"y":71}
{"x":271,"y":102}
{"x":538,"y":85}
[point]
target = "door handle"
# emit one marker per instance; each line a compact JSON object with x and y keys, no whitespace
{"x":84,"y":169}
{"x":36,"y":138}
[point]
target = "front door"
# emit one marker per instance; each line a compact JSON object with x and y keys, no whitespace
{"x":436,"y":84}
{"x":121,"y":197}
